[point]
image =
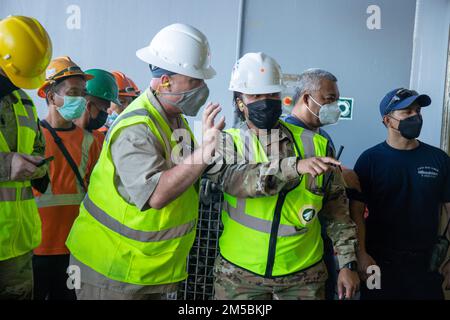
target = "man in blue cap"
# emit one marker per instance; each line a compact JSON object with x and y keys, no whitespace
{"x":406,"y":185}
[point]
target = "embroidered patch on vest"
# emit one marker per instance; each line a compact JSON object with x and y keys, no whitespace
{"x":307,"y":214}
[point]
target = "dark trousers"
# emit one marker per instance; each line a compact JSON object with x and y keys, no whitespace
{"x":405,"y":278}
{"x":50,"y":278}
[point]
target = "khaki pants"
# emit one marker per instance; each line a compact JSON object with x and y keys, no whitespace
{"x":234,"y":283}
{"x":16,"y":278}
{"x":90,"y":292}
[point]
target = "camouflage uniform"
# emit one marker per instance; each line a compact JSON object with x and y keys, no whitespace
{"x":16,"y":276}
{"x":244,"y":180}
{"x":234,"y":283}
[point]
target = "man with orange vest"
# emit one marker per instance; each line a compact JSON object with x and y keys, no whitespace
{"x":25,"y":51}
{"x":128,"y":91}
{"x":75,"y":154}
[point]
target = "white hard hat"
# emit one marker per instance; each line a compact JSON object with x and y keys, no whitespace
{"x":179,"y":48}
{"x":256,"y":73}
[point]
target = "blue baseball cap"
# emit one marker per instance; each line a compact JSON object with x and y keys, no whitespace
{"x":402,"y":98}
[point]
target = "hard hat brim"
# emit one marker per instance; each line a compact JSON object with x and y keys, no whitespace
{"x":43,"y":88}
{"x":128,"y":94}
{"x":24,"y":82}
{"x":259,"y":90}
{"x":116,"y":101}
{"x":145,"y":55}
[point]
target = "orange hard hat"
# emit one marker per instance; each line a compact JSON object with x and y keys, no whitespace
{"x":59,"y":68}
{"x":127,"y":87}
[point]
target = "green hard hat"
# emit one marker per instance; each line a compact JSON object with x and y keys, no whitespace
{"x":103,"y":85}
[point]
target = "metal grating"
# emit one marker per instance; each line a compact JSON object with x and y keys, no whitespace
{"x":200,"y":282}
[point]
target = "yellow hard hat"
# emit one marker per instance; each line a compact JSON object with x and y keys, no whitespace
{"x":25,"y":51}
{"x":60,"y":68}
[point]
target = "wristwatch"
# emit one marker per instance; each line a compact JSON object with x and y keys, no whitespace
{"x":351,"y":265}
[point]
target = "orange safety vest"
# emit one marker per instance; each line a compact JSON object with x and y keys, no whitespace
{"x":60,"y":204}
{"x":99,"y":138}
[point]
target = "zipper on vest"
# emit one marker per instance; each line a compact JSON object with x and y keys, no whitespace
{"x":274,"y":233}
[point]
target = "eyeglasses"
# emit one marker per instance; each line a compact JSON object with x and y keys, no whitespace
{"x":400,"y":95}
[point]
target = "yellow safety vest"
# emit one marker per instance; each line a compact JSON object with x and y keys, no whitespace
{"x":114,"y":237}
{"x":20,"y":225}
{"x":281,"y":234}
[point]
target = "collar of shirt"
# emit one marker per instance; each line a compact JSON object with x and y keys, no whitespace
{"x":6,"y":86}
{"x":154,"y":101}
{"x":297,"y":122}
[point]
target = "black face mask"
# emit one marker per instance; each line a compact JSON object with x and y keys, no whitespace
{"x":97,"y":123}
{"x":264,"y":113}
{"x":410,"y":127}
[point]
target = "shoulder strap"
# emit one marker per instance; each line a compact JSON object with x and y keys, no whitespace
{"x":65,"y":152}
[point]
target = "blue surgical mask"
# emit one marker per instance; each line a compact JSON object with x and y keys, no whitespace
{"x":328,"y":113}
{"x":111,"y":118}
{"x":72,"y":108}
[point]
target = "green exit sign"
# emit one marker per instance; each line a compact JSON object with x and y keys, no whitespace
{"x":346,"y":106}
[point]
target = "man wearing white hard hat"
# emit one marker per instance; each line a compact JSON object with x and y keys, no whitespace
{"x":271,"y":246}
{"x":138,"y":220}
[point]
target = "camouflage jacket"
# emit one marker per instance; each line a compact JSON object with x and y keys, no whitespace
{"x":8,"y":128}
{"x":241,"y":179}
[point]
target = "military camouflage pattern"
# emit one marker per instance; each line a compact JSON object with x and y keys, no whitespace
{"x":16,"y":278}
{"x":91,"y":292}
{"x":242,"y":179}
{"x":340,"y":227}
{"x":8,"y":124}
{"x":234,"y":283}
{"x":8,"y":128}
{"x":235,"y":175}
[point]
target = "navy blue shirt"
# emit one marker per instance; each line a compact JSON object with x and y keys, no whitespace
{"x":404,"y":190}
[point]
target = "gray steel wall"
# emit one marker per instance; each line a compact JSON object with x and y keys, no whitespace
{"x":430,"y":61}
{"x":331,"y":34}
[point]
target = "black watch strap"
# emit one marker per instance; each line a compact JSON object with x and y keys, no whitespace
{"x":351,"y":265}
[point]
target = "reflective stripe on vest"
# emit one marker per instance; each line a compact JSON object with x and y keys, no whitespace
{"x":138,"y":112}
{"x":20,"y":224}
{"x":48,"y":199}
{"x":142,"y":236}
{"x":142,"y":112}
{"x":53,"y":200}
{"x":238,"y":214}
{"x":10,"y":194}
{"x":310,"y":151}
{"x":142,"y":246}
{"x":286,"y":224}
{"x":28,"y":120}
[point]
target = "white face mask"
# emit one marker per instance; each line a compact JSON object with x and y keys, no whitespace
{"x":328,"y":113}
